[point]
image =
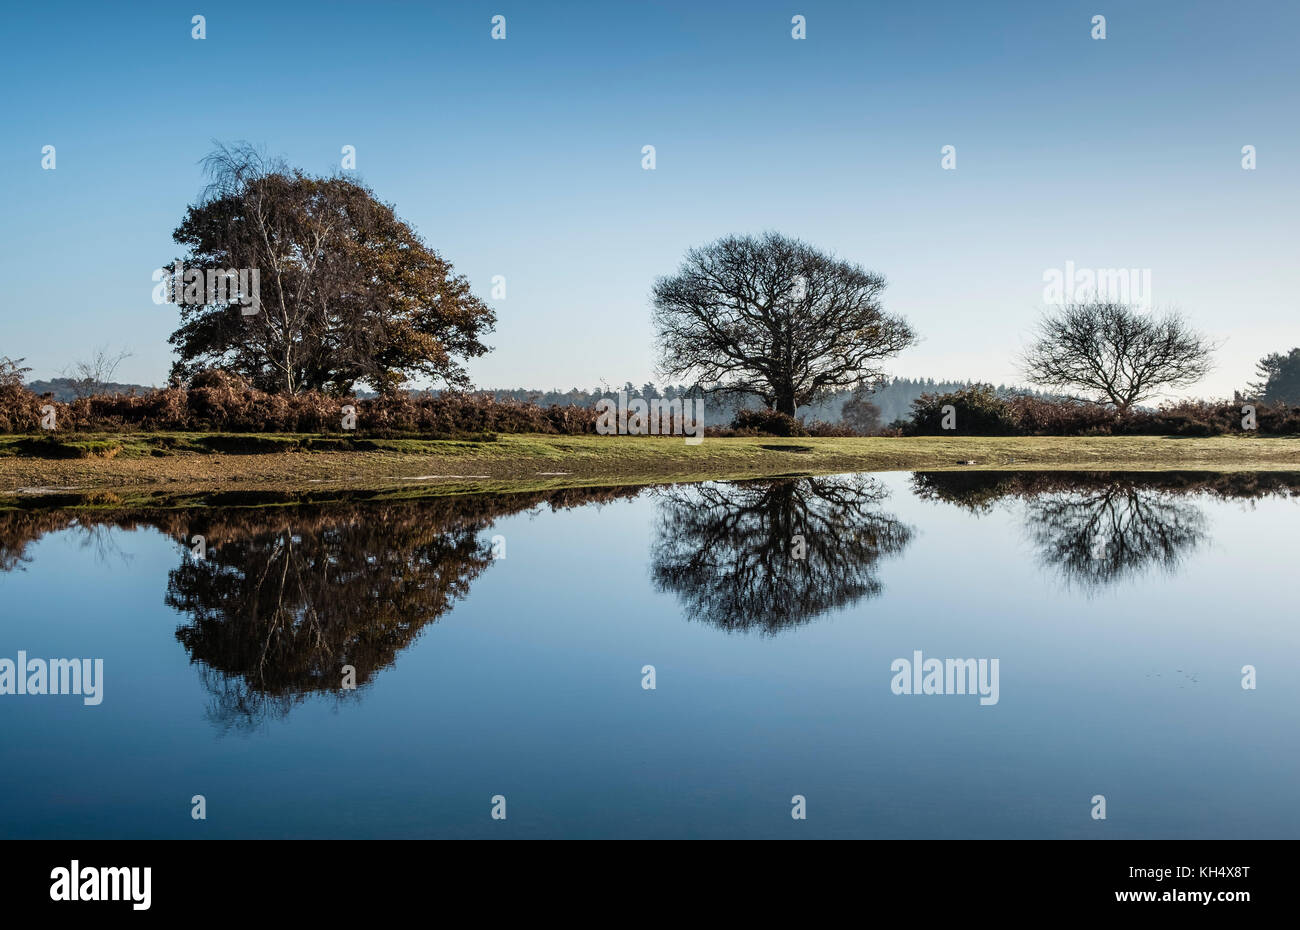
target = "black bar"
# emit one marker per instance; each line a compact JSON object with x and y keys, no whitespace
{"x":335,"y":879}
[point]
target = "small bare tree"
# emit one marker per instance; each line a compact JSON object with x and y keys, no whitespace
{"x":89,"y":376}
{"x":11,"y":372}
{"x":859,"y":414}
{"x":1113,"y":353}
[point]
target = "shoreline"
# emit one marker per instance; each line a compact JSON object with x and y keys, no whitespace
{"x":147,"y":463}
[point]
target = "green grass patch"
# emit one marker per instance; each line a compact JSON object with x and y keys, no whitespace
{"x":52,"y":447}
{"x":211,"y":461}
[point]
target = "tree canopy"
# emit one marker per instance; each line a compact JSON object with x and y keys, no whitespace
{"x":348,"y":292}
{"x":1279,"y":378}
{"x":1116,"y":354}
{"x":774,"y":318}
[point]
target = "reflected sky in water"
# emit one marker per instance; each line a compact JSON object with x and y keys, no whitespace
{"x":1121,"y":607}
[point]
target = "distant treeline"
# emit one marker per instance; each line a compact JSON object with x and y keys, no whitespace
{"x":67,"y":390}
{"x":893,"y":397}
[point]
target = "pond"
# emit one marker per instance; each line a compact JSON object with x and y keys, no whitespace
{"x":750,"y":659}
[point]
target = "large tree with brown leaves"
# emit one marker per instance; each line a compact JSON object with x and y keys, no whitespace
{"x":348,"y":291}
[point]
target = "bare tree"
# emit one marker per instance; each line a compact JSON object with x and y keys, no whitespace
{"x":1114,"y":353}
{"x":11,"y":372}
{"x":774,"y":318}
{"x":89,"y":376}
{"x":725,"y":549}
{"x":859,"y":414}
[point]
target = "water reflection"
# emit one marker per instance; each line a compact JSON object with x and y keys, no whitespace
{"x":288,"y":595}
{"x":285,"y":597}
{"x":1096,"y":529}
{"x":283,"y":601}
{"x":729,"y":551}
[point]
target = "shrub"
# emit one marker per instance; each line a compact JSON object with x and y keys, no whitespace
{"x":224,"y":402}
{"x":979,"y":411}
{"x":767,"y":422}
{"x":1035,"y":416}
{"x":822,"y":428}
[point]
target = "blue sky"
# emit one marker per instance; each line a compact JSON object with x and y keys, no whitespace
{"x":522,"y":158}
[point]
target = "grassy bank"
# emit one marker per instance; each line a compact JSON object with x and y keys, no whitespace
{"x":181,"y":461}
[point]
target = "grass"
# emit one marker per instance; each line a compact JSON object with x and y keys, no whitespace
{"x":514,"y":462}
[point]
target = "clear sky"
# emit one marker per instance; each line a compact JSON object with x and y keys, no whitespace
{"x":522,"y":158}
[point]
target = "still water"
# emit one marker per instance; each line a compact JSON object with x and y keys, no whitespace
{"x":500,"y":647}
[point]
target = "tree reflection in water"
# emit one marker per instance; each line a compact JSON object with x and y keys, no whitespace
{"x":282,"y":601}
{"x":1099,"y":528}
{"x":286,"y":596}
{"x":727,"y":550}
